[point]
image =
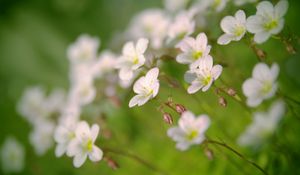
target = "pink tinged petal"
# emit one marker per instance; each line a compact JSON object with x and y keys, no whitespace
{"x":142,"y":45}
{"x":281,"y":8}
{"x":265,"y":8}
{"x":183,"y":146}
{"x":201,"y":41}
{"x":94,"y":131}
{"x":155,"y":89}
{"x":79,"y":159}
{"x":262,"y":72}
{"x":129,"y":49}
{"x":228,"y":24}
{"x":206,"y":87}
{"x":60,"y":134}
{"x":254,"y":24}
{"x":125,"y":74}
{"x":73,"y":148}
{"x":194,"y":87}
{"x":135,"y":100}
{"x":186,"y":120}
{"x":254,"y":101}
{"x":152,"y":74}
{"x":224,"y":39}
{"x":184,"y":58}
{"x":216,"y":71}
{"x":176,"y":134}
{"x":138,"y":86}
{"x":60,"y":149}
{"x":240,"y":16}
{"x":96,"y":154}
{"x":261,"y":37}
{"x":202,"y":122}
{"x":207,"y":62}
{"x":274,"y":71}
{"x":187,"y":44}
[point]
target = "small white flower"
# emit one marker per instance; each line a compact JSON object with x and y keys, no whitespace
{"x":175,"y":5}
{"x":202,"y":76}
{"x":84,"y":50}
{"x":83,"y":145}
{"x":215,"y":5}
{"x":64,"y":133}
{"x":262,"y":85}
{"x":56,"y":100}
{"x":182,"y":26}
{"x":267,"y":21}
{"x":41,"y":138}
{"x":234,"y":28}
{"x":193,"y":49}
{"x":263,"y":125}
{"x":105,"y":64}
{"x":132,"y":58}
{"x":242,"y":2}
{"x":190,"y":130}
{"x":12,"y":156}
{"x":145,"y":87}
{"x":83,"y":92}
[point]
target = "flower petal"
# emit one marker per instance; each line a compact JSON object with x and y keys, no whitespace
{"x":79,"y":159}
{"x":96,"y":154}
{"x":261,"y":37}
{"x":94,"y":131}
{"x":281,"y":8}
{"x":216,"y":71}
{"x":141,"y":45}
{"x":228,"y":24}
{"x":129,"y":49}
{"x":224,"y":39}
{"x":60,"y":149}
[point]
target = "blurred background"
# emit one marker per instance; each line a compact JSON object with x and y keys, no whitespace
{"x":34,"y":36}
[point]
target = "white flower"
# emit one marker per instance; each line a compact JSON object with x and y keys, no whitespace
{"x":41,"y":138}
{"x":263,"y":125}
{"x":83,"y":145}
{"x":215,"y":5}
{"x":132,"y":58}
{"x":267,"y":21}
{"x":56,"y":100}
{"x":64,"y":133}
{"x":202,"y":76}
{"x":242,"y":2}
{"x":175,"y":5}
{"x":182,"y":26}
{"x":84,"y":50}
{"x":145,"y":87}
{"x":12,"y":156}
{"x":105,"y":64}
{"x":193,"y":49}
{"x":190,"y":130}
{"x":152,"y":24}
{"x":234,"y":28}
{"x":262,"y":85}
{"x":83,"y":92}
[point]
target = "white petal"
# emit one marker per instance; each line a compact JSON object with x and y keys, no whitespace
{"x":216,"y":71}
{"x":82,"y":129}
{"x":155,"y":89}
{"x":274,"y":71}
{"x":281,"y":8}
{"x":240,"y":16}
{"x":176,"y":134}
{"x":79,"y":159}
{"x":73,"y":148}
{"x":60,"y":149}
{"x":254,"y":24}
{"x":184,"y":58}
{"x":265,"y":8}
{"x":129,"y":49}
{"x":186,"y":44}
{"x":142,"y":45}
{"x":134,"y":100}
{"x":186,"y":121}
{"x":228,"y":24}
{"x":183,"y":146}
{"x":261,"y":37}
{"x":206,"y":87}
{"x":279,"y":27}
{"x":207,"y":62}
{"x":194,"y":87}
{"x":251,"y":87}
{"x":96,"y":154}
{"x":94,"y":131}
{"x":201,"y":41}
{"x":125,"y":74}
{"x":254,"y":101}
{"x":152,"y":74}
{"x":202,"y":122}
{"x":224,"y":39}
{"x":60,"y":134}
{"x":261,"y":72}
{"x":138,"y":86}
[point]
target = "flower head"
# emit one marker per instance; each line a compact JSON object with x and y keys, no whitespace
{"x":132,"y":58}
{"x":12,"y":156}
{"x":234,"y":28}
{"x":262,"y":85}
{"x":190,"y":130}
{"x":145,"y":87}
{"x":193,"y":49}
{"x":267,"y":21}
{"x":202,"y":76}
{"x":83,"y":145}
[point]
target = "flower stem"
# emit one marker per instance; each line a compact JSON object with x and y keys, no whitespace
{"x":238,"y":154}
{"x":135,"y":158}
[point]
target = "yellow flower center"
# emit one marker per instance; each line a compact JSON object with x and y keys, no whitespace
{"x":271,"y":25}
{"x":206,"y":80}
{"x":135,"y":60}
{"x":267,"y":87}
{"x":89,"y":145}
{"x":197,"y":54}
{"x":239,"y":31}
{"x":192,"y":135}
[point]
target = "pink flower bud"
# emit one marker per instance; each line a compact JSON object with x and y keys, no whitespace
{"x":168,"y":118}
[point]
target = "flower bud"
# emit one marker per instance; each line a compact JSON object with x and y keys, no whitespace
{"x":260,"y":53}
{"x":209,"y":153}
{"x":168,"y":118}
{"x":231,"y":92}
{"x":222,"y":101}
{"x":111,"y":163}
{"x":180,"y":108}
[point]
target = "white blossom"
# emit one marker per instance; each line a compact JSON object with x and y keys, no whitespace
{"x":12,"y":156}
{"x":83,"y":92}
{"x":145,"y":87}
{"x":242,"y":2}
{"x":190,"y":130}
{"x":106,"y":63}
{"x":234,"y":28}
{"x":263,"y":125}
{"x":84,"y":50}
{"x":203,"y":75}
{"x":268,"y":20}
{"x":215,"y":5}
{"x":41,"y":138}
{"x":175,"y":5}
{"x":83,"y":145}
{"x":193,"y":49}
{"x":262,"y":85}
{"x":132,"y":58}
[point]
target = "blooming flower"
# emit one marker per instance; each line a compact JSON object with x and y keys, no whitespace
{"x":64,"y":133}
{"x":234,"y":27}
{"x":132,"y":58}
{"x":215,"y":5}
{"x":84,"y":50}
{"x":175,"y":5}
{"x":83,"y":92}
{"x":203,"y":75}
{"x":190,"y":130}
{"x":41,"y":138}
{"x":12,"y":156}
{"x":263,"y":125}
{"x":262,"y":85}
{"x":83,"y":145}
{"x":105,"y":64}
{"x":267,"y":21}
{"x":145,"y":87}
{"x":242,"y":2}
{"x":193,"y":49}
